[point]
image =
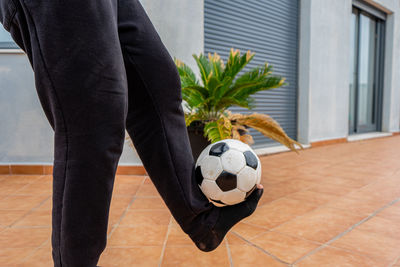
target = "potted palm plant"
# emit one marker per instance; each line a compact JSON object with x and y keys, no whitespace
{"x":207,"y":117}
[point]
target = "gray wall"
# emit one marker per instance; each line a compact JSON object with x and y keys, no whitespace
{"x":25,"y":134}
{"x":324,"y":69}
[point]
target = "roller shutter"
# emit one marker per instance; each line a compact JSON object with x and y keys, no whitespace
{"x":270,"y":29}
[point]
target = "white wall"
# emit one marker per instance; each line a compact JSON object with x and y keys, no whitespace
{"x":25,"y":134}
{"x":324,"y":69}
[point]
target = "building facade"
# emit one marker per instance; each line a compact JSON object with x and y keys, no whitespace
{"x":341,"y":59}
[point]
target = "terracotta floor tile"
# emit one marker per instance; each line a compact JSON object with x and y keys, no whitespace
{"x":118,"y":201}
{"x":246,"y":255}
{"x":23,"y":237}
{"x":234,"y":239}
{"x":286,"y":248}
{"x":21,"y":202}
{"x":397,"y":263}
{"x":143,"y":235}
{"x":391,"y":212}
{"x":46,"y":205}
{"x":320,"y":225}
{"x":355,"y":204}
{"x":331,"y":189}
{"x":37,"y":188}
{"x":137,"y":256}
{"x":35,"y":218}
{"x":282,"y":189}
{"x":8,"y":188}
{"x":333,"y":257}
{"x":125,"y":189}
{"x":377,"y":246}
{"x":13,"y":256}
{"x":278,"y":212}
{"x":115,"y":215}
{"x":248,"y":231}
{"x":148,"y":203}
{"x":312,"y":197}
{"x":381,"y":226}
{"x":8,"y":217}
{"x":346,"y":182}
{"x":146,"y":217}
{"x":40,"y":258}
{"x":23,"y":178}
{"x":270,"y":179}
{"x":45,"y":179}
{"x":131,"y":179}
{"x":147,"y":190}
{"x":193,"y":257}
{"x":176,"y":237}
{"x":119,"y":205}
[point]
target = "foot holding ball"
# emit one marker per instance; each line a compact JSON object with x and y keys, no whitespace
{"x":227,"y":172}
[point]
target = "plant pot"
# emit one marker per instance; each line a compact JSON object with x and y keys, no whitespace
{"x":196,"y":137}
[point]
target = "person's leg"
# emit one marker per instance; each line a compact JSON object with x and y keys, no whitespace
{"x":156,"y":125}
{"x":80,"y":78}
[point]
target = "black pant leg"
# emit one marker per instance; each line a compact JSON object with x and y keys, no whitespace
{"x":80,"y":78}
{"x":156,"y":122}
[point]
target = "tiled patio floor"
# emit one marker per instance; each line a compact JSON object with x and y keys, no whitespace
{"x":335,"y":205}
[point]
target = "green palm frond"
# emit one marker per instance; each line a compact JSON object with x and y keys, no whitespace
{"x":205,"y":68}
{"x":236,"y":62}
{"x":218,"y":130}
{"x":217,"y":64}
{"x":188,"y":78}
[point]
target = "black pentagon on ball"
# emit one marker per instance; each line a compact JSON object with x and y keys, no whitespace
{"x":218,"y":149}
{"x":198,"y":175}
{"x":251,"y":159}
{"x":226,"y":181}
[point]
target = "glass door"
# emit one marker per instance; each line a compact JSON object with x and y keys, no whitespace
{"x":365,"y":68}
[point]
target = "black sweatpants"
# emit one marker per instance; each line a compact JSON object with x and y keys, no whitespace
{"x":100,"y":68}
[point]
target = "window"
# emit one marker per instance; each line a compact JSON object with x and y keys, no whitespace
{"x":5,"y":39}
{"x":366,"y":72}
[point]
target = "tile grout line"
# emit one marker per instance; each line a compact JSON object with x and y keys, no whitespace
{"x":165,"y":242}
{"x":346,"y":231}
{"x":285,"y":234}
{"x":30,"y":212}
{"x":125,"y":211}
{"x":28,"y":184}
{"x":394,"y":262}
{"x":263,"y":250}
{"x":228,"y":250}
{"x":34,"y":251}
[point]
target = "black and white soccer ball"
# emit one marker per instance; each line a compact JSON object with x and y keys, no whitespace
{"x":227,"y":172}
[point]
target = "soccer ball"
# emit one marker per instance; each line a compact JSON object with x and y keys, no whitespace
{"x":227,"y":172}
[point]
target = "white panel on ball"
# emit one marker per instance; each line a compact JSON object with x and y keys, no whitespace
{"x":238,"y":145}
{"x":211,"y":189}
{"x":211,"y":167}
{"x":202,"y":155}
{"x":233,"y":161}
{"x":246,"y":179}
{"x":258,"y":173}
{"x":233,"y":197}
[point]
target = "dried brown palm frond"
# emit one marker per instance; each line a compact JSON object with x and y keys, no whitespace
{"x":240,"y":132}
{"x":265,"y":125}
